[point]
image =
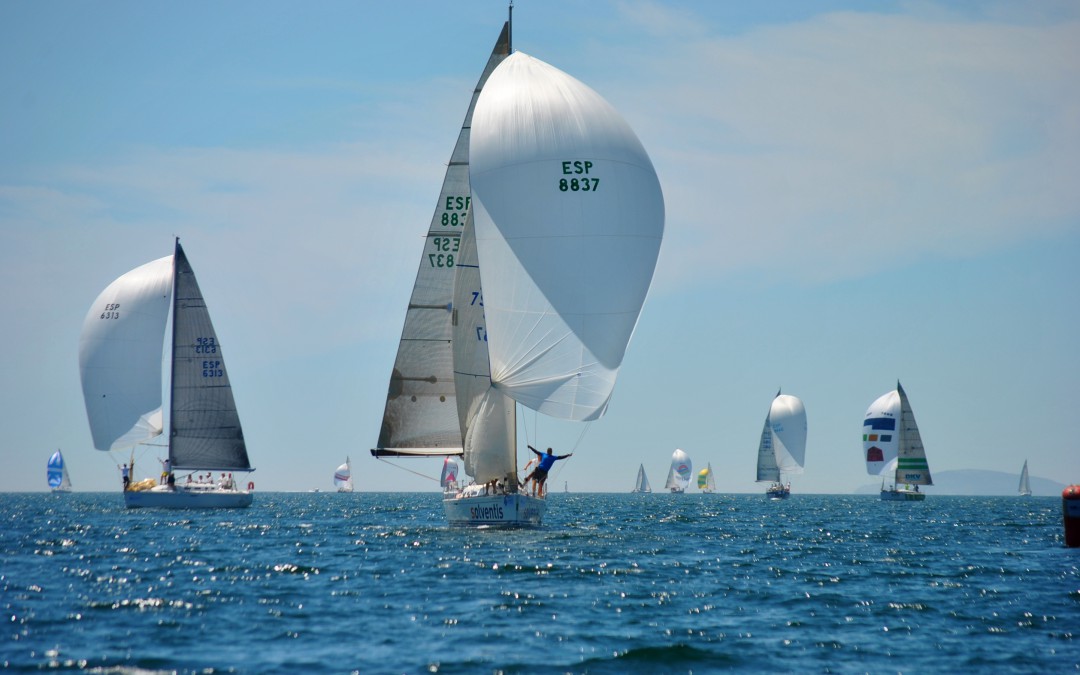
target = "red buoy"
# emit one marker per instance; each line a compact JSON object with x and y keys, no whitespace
{"x":1070,"y":511}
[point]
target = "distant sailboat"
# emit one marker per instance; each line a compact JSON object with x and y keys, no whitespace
{"x":343,"y":477}
{"x":892,"y":447}
{"x":705,"y":481}
{"x":537,"y":262}
{"x":641,"y":485}
{"x":682,"y":468}
{"x":782,"y":449}
{"x":57,"y":473}
{"x":120,"y":360}
{"x":1025,"y":483}
{"x":448,"y":481}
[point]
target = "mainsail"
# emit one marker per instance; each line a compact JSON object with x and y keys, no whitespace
{"x":642,"y":482}
{"x":912,"y":467}
{"x":421,"y":415}
{"x":204,"y":426}
{"x":1025,"y":484}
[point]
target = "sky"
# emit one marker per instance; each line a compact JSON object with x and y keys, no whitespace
{"x":856,"y":193}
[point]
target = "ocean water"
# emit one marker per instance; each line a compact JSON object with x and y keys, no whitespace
{"x":613,"y":583}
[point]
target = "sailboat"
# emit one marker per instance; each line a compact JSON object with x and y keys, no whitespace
{"x":678,"y":476}
{"x":343,"y":477}
{"x":1025,"y":483}
{"x":448,"y":480}
{"x":641,"y":485}
{"x":57,"y":473}
{"x":892,"y":447}
{"x":120,"y":361}
{"x":705,"y":481}
{"x":537,"y":262}
{"x":782,"y":449}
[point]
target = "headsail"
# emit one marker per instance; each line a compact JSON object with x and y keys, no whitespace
{"x":57,"y":473}
{"x":421,"y":417}
{"x":120,"y":352}
{"x":880,"y":434}
{"x":343,"y":477}
{"x":680,"y":471}
{"x":787,"y":419}
{"x":569,"y":217}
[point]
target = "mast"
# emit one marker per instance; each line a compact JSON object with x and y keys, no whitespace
{"x":510,"y":29}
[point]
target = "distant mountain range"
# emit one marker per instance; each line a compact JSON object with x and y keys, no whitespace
{"x":979,"y":482}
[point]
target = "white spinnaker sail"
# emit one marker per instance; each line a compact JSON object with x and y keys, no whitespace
{"x":787,"y":418}
{"x":569,"y":217}
{"x":120,"y":356}
{"x":681,"y":470}
{"x":421,"y":417}
{"x":881,"y":437}
{"x":204,"y":425}
{"x":343,"y":477}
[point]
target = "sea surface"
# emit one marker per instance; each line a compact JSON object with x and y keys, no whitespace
{"x":613,"y":583}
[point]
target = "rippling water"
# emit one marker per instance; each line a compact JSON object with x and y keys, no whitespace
{"x":613,"y":583}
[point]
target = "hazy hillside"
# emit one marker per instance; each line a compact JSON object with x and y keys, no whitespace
{"x":980,"y":482}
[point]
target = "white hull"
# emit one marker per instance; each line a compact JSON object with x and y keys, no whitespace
{"x":677,"y":490}
{"x":505,"y":511}
{"x":202,"y":497}
{"x":901,"y":495}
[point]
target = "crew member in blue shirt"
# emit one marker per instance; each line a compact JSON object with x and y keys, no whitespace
{"x":540,"y":473}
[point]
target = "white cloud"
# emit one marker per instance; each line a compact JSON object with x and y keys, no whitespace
{"x":803,"y":147}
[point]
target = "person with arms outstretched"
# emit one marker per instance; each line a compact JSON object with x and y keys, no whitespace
{"x":540,"y":473}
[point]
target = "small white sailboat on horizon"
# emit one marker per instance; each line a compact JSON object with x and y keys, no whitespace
{"x":705,"y":480}
{"x":892,"y":447}
{"x":57,"y":474}
{"x":120,"y":363}
{"x":782,"y":449}
{"x":641,"y":484}
{"x":343,"y":477}
{"x":679,"y":472}
{"x":537,"y":262}
{"x":1024,"y":489}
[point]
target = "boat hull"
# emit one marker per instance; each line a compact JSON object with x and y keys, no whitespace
{"x":502,"y":511}
{"x":777,"y":494}
{"x":901,"y":495}
{"x":185,"y":498}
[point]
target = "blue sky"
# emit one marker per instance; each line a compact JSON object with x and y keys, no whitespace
{"x":856,"y":192}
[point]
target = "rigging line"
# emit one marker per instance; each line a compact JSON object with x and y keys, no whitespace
{"x":398,"y":466}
